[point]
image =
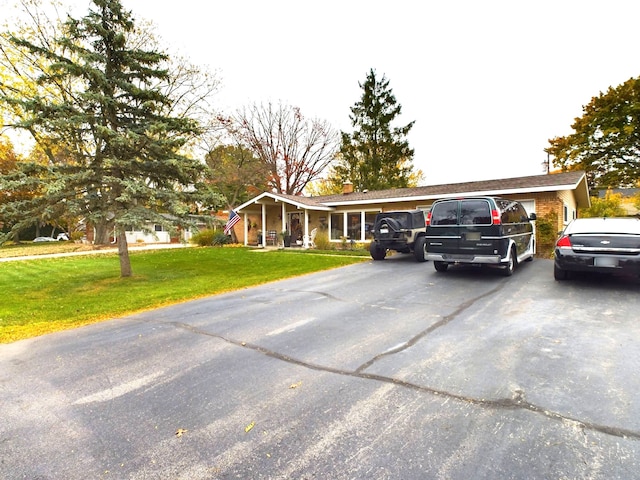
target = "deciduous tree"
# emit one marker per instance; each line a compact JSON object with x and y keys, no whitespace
{"x":605,"y":142}
{"x":236,"y":173}
{"x":608,"y":206}
{"x":296,"y":150}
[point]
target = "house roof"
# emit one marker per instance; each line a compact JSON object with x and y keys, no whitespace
{"x":625,"y":192}
{"x":531,"y":184}
{"x":298,"y":201}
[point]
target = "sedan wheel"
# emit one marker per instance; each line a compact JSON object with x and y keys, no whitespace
{"x":560,"y":273}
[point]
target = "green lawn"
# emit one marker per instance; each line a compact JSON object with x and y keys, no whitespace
{"x":46,"y":295}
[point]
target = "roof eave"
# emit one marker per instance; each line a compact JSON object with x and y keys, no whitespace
{"x":278,"y":198}
{"x":418,"y":198}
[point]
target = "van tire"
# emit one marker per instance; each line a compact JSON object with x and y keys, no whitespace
{"x":440,"y":266}
{"x":512,"y":262}
{"x":420,"y":249}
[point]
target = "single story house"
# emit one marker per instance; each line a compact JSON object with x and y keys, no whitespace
{"x":152,"y":232}
{"x":350,"y":215}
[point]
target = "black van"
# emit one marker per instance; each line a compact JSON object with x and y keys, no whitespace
{"x":479,"y":230}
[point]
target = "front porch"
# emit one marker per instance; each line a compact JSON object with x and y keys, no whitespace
{"x":270,"y":220}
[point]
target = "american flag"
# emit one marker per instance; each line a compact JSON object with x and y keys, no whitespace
{"x":233,"y":219}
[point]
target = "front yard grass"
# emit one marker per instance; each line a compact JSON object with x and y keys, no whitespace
{"x":50,"y":294}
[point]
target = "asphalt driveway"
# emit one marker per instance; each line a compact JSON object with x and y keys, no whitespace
{"x":379,"y":370}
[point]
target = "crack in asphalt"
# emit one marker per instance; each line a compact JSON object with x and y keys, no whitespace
{"x":517,"y":402}
{"x":439,"y":324}
{"x":316,"y":292}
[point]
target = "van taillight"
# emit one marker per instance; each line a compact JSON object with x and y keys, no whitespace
{"x":427,"y":221}
{"x":565,"y":241}
{"x":495,"y":217}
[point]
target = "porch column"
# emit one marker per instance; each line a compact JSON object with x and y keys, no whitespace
{"x":264,"y":225}
{"x":305,"y":237}
{"x":246,"y":229}
{"x":284,"y":217}
{"x":345,"y":231}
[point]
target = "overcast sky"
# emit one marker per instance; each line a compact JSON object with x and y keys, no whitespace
{"x":487,"y":82}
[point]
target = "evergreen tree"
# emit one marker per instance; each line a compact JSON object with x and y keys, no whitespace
{"x":98,"y":96}
{"x":376,"y":155}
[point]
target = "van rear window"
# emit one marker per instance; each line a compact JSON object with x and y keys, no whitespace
{"x":445,"y":213}
{"x":475,"y":212}
{"x":472,"y":212}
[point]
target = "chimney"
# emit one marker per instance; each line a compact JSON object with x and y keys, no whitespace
{"x":347,"y":188}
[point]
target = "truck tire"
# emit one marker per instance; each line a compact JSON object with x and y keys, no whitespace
{"x":420,"y":249}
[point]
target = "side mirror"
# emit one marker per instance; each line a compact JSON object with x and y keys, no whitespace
{"x":532,"y":216}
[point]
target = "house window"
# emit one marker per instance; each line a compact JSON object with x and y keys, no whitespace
{"x":369,"y":221}
{"x":158,"y":228}
{"x":354,"y":227}
{"x":566,"y":213}
{"x":337,"y":226}
{"x":357,"y":225}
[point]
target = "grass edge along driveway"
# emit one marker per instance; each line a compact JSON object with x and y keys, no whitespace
{"x":51,"y":294}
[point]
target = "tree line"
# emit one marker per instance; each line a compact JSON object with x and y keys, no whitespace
{"x":123,"y":134}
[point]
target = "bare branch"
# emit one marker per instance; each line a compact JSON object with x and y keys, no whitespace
{"x":296,"y":150}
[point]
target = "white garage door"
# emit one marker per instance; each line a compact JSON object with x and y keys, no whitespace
{"x":529,"y":206}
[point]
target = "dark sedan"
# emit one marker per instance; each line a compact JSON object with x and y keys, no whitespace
{"x":602,"y":245}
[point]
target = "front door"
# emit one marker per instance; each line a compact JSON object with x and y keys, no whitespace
{"x":295,"y":227}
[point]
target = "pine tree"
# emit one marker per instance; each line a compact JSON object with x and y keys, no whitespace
{"x":99,"y":98}
{"x":376,"y":155}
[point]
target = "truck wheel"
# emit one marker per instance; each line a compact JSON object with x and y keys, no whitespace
{"x":441,"y":266}
{"x":377,"y":251}
{"x":420,"y":249}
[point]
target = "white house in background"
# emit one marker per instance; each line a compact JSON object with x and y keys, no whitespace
{"x":158,"y":233}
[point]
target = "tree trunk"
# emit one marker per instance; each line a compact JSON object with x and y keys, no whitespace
{"x":123,"y":253}
{"x":103,"y":229}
